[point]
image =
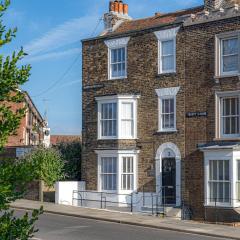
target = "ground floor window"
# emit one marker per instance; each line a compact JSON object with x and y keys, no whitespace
{"x":238,"y":180}
{"x":219,"y":181}
{"x":109,"y":173}
{"x":127,"y":173}
{"x":117,"y":170}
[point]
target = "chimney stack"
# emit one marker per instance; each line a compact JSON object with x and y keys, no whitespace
{"x":118,"y":13}
{"x":213,"y":4}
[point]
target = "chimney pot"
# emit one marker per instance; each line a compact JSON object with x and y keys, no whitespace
{"x":116,"y":6}
{"x":111,"y":6}
{"x":125,"y":9}
{"x":120,"y":7}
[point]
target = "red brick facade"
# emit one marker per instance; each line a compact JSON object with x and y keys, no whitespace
{"x":30,"y":131}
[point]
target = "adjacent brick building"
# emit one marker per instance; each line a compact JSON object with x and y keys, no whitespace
{"x":161,"y":99}
{"x":31,"y":129}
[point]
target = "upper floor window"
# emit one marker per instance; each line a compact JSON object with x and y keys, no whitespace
{"x":227,"y":54}
{"x":117,"y":117}
{"x":167,"y":60}
{"x":228,"y":117}
{"x":118,"y":63}
{"x":167,"y":50}
{"x":108,"y":119}
{"x":117,"y":58}
{"x":167,"y":109}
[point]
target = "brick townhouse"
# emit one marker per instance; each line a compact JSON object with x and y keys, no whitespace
{"x":161,"y":99}
{"x":31,"y":131}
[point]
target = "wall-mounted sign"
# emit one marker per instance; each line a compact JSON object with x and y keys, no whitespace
{"x":21,"y":152}
{"x":196,"y":114}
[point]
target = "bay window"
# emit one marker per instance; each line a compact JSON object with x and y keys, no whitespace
{"x":127,"y":173}
{"x":109,"y":173}
{"x":108,"y":120}
{"x":219,"y":181}
{"x":227,"y":54}
{"x":117,"y":170}
{"x":117,"y":117}
{"x":238,"y":181}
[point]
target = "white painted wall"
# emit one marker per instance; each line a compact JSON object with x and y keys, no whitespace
{"x":64,"y":191}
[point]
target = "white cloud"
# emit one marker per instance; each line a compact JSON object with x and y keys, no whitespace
{"x":64,"y":34}
{"x":51,"y":55}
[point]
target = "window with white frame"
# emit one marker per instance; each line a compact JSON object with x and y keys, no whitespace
{"x":127,"y":119}
{"x":117,"y":117}
{"x":117,"y":57}
{"x":167,"y":50}
{"x":118,"y":63}
{"x":167,"y":109}
{"x":167,"y":113}
{"x":127,"y":178}
{"x":228,"y":115}
{"x":117,"y":170}
{"x":167,"y":59}
{"x":219,"y":181}
{"x":109,"y":173}
{"x":108,"y":119}
{"x":238,"y":180}
{"x":228,"y":52}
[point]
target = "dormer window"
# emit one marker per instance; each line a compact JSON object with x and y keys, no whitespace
{"x":117,"y":58}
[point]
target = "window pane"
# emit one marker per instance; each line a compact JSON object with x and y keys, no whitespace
{"x":215,"y":175}
{"x":227,"y":192}
{"x":230,"y":46}
{"x":220,"y":192}
{"x":230,"y":63}
{"x":168,"y":63}
{"x":220,"y":170}
{"x":127,"y":110}
{"x":167,"y":48}
{"x":113,"y":55}
{"x":226,"y":170}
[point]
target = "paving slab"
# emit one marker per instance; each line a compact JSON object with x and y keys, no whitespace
{"x":213,"y":230}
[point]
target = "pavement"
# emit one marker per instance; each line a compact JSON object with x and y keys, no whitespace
{"x":180,"y":226}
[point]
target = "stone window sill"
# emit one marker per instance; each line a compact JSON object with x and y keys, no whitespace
{"x":172,"y":74}
{"x":227,"y":139}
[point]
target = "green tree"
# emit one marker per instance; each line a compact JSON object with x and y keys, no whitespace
{"x":13,"y":177}
{"x":47,"y":165}
{"x":71,"y":154}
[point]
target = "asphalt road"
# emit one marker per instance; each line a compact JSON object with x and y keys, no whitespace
{"x":57,"y":227}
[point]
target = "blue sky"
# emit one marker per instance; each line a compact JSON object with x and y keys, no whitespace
{"x":50,"y":32}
